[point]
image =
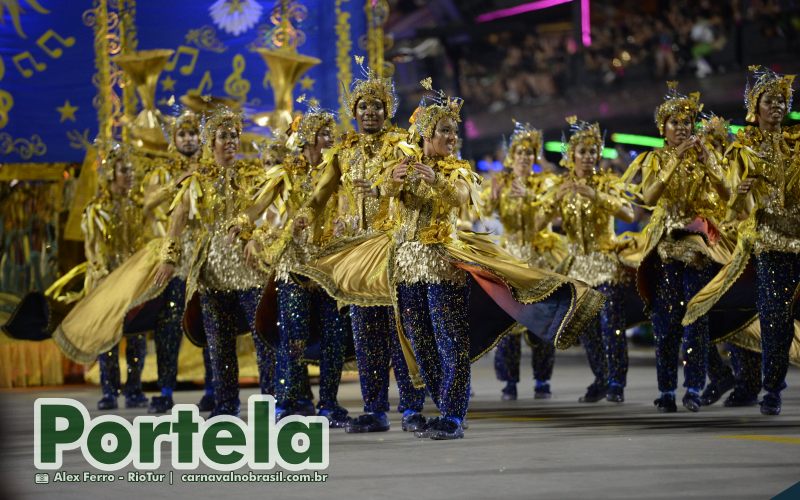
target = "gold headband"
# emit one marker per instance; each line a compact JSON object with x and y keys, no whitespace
{"x":766,"y":80}
{"x":523,"y":136}
{"x":677,"y":104}
{"x":581,"y":132}
{"x":432,"y":108}
{"x":371,"y":86}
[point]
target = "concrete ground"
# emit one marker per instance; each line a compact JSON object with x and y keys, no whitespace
{"x":522,"y":449}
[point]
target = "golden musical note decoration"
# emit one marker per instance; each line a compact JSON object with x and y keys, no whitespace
{"x":188,"y":68}
{"x":204,"y":86}
{"x":6,"y":103}
{"x":236,"y":86}
{"x":14,"y":11}
{"x":58,"y":51}
{"x":143,"y":68}
{"x":2,"y":69}
{"x":27,"y":56}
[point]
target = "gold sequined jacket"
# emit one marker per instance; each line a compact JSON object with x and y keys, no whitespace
{"x":359,"y":156}
{"x":286,"y":189}
{"x":112,"y":232}
{"x":215,"y":196}
{"x":424,"y":216}
{"x":773,"y":160}
{"x":689,"y":196}
{"x":543,"y":248}
{"x":589,"y":227}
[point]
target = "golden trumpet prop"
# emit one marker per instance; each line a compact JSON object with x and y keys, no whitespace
{"x":285,"y":68}
{"x":143,"y":68}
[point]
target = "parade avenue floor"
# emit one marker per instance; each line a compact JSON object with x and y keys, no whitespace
{"x":557,"y":448}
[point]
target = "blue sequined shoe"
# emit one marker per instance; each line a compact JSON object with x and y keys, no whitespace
{"x":424,"y":430}
{"x":594,"y":393}
{"x":225,"y":409}
{"x":542,"y":391}
{"x":109,"y":402}
{"x":446,"y":428}
{"x":771,"y":404}
{"x":305,"y":407}
{"x":666,"y":403}
{"x":691,"y":401}
{"x":369,"y":422}
{"x":737,"y":399}
{"x":160,"y":404}
{"x":206,"y":403}
{"x":337,"y":417}
{"x":136,"y":400}
{"x":509,"y":392}
{"x":615,"y":394}
{"x":713,"y":392}
{"x":414,"y":422}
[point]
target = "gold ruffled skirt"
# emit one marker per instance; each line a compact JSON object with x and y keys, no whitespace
{"x":95,"y":324}
{"x":503,"y":289}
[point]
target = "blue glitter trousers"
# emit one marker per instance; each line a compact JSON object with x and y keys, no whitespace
{"x":676,"y":283}
{"x":435,"y":321}
{"x":222,"y":311}
{"x":301,"y":308}
{"x":509,"y":353}
{"x":745,"y":369}
{"x":168,"y":333}
{"x":777,"y":277}
{"x":135,"y":351}
{"x":377,"y":348}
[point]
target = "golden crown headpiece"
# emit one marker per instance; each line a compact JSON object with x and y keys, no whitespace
{"x":524,"y":135}
{"x":715,"y":127}
{"x":223,"y":116}
{"x":371,"y":85}
{"x":677,"y":104}
{"x":305,"y":127}
{"x":580,"y":132}
{"x":765,"y":80}
{"x":432,"y":108}
{"x":187,"y":120}
{"x":106,"y":170}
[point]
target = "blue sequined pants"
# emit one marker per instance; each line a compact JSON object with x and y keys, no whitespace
{"x":208,"y":382}
{"x":135,"y":351}
{"x":222,"y":311}
{"x":168,"y":333}
{"x":435,"y":321}
{"x":745,"y":369}
{"x":614,"y":345}
{"x":676,"y":283}
{"x":377,"y":347}
{"x":301,"y":308}
{"x":509,"y":352}
{"x":777,"y":277}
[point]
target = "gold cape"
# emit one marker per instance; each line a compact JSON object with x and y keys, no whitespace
{"x":359,"y":271}
{"x":94,"y":325}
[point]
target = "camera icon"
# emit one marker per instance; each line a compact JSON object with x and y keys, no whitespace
{"x":42,"y":478}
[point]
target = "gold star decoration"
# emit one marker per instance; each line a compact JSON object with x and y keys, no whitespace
{"x":168,"y":84}
{"x":67,"y":111}
{"x":307,"y":83}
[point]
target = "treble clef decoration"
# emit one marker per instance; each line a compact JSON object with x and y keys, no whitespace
{"x":236,"y":86}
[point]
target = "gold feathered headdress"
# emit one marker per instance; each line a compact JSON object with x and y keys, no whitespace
{"x":677,"y":104}
{"x":432,"y":108}
{"x":765,"y":80}
{"x":371,"y":85}
{"x":580,"y":132}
